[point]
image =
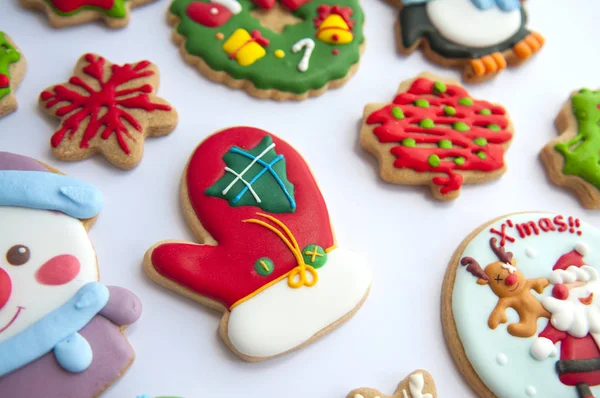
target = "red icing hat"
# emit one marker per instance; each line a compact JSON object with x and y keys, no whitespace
{"x":574,"y":257}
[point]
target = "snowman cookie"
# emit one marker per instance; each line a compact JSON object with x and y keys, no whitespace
{"x":280,"y":49}
{"x":62,"y":13}
{"x":573,"y":158}
{"x":521,"y":302}
{"x":419,"y":384}
{"x":268,"y":258}
{"x":61,"y":331}
{"x":479,"y":36}
{"x":12,"y":70}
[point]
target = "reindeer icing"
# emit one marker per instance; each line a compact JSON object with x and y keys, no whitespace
{"x":512,"y":289}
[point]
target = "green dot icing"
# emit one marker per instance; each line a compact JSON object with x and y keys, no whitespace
{"x":445,"y":144}
{"x":314,"y":256}
{"x":582,"y":152}
{"x":480,"y":141}
{"x":466,"y":101}
{"x":110,"y":8}
{"x":8,"y":55}
{"x":485,"y":111}
{"x":449,"y":111}
{"x":264,"y":266}
{"x":481,"y":155}
{"x":270,"y":72}
{"x":439,"y":88}
{"x":434,"y":160}
{"x":409,"y":142}
{"x":493,"y":127}
{"x":427,"y":123}
{"x":459,"y":161}
{"x":421,"y":103}
{"x":461,"y":126}
{"x":397,"y":113}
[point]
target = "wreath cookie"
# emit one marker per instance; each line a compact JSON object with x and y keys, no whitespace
{"x":62,"y":13}
{"x":573,"y":159}
{"x":12,"y":70}
{"x":419,"y":384}
{"x":478,"y":36}
{"x":286,"y":50}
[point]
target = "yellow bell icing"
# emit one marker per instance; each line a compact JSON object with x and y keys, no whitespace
{"x":241,"y":46}
{"x":335,"y":30}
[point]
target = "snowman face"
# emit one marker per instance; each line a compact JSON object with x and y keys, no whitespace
{"x":45,"y":257}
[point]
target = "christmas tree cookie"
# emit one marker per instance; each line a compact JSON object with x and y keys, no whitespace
{"x":268,"y":258}
{"x":12,"y":70}
{"x":284,"y":49}
{"x":419,"y":384}
{"x":482,"y":37}
{"x":62,"y":13}
{"x":573,"y":158}
{"x":434,"y":133}
{"x":109,"y":109}
{"x":61,"y":331}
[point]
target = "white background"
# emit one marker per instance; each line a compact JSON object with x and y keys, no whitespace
{"x":407,"y":237}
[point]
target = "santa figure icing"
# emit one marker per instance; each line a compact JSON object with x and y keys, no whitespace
{"x":269,"y":259}
{"x":61,"y":332}
{"x":575,"y":322}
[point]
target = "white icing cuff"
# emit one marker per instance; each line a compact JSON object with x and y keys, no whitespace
{"x":231,"y":5}
{"x":542,"y":348}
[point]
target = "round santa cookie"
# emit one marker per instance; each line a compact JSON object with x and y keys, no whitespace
{"x":108,"y":109}
{"x":285,"y":50}
{"x":268,"y":257}
{"x":12,"y":70}
{"x":419,"y":384}
{"x":61,"y":331}
{"x":521,"y":307}
{"x":573,"y":158}
{"x":480,"y":36}
{"x":62,"y":13}
{"x":434,"y":133}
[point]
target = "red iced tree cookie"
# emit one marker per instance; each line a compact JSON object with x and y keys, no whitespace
{"x":434,"y":133}
{"x":109,"y":109}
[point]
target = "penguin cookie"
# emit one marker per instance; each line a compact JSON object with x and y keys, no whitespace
{"x":268,"y":258}
{"x":480,"y":36}
{"x":61,"y":331}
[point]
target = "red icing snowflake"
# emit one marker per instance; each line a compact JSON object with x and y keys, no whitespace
{"x":105,"y":108}
{"x":441,"y":129}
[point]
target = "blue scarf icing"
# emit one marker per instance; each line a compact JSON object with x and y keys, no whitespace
{"x":57,"y":331}
{"x":504,"y":5}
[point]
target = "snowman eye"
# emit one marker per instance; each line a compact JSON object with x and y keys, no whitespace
{"x":18,"y":255}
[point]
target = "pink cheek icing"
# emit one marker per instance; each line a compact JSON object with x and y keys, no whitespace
{"x":58,"y":270}
{"x":5,"y":288}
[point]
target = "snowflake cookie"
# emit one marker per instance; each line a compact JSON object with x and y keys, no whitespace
{"x":62,"y":13}
{"x":479,"y":36}
{"x":61,"y":331}
{"x":434,"y":133}
{"x":573,"y":158}
{"x":521,"y":302}
{"x":12,"y":70}
{"x":109,"y":109}
{"x":419,"y":384}
{"x":268,"y":258}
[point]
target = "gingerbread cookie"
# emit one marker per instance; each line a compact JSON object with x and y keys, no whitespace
{"x":61,"y":331}
{"x":62,"y":13}
{"x":419,"y":384}
{"x":573,"y":159}
{"x":544,"y":267}
{"x":479,"y":36}
{"x":12,"y":70}
{"x":109,"y":109}
{"x":434,"y":133}
{"x":268,"y":258}
{"x":287,"y":49}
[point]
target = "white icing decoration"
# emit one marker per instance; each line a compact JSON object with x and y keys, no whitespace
{"x":231,"y":5}
{"x":46,"y":234}
{"x":214,"y":11}
{"x":511,"y":269}
{"x":502,"y":359}
{"x":531,"y":252}
{"x":358,"y":396}
{"x":309,"y":45}
{"x":572,"y":274}
{"x":542,"y":348}
{"x":530,"y":391}
{"x":416,"y":383}
{"x":280,"y":318}
{"x":582,"y":248}
{"x":461,"y":22}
